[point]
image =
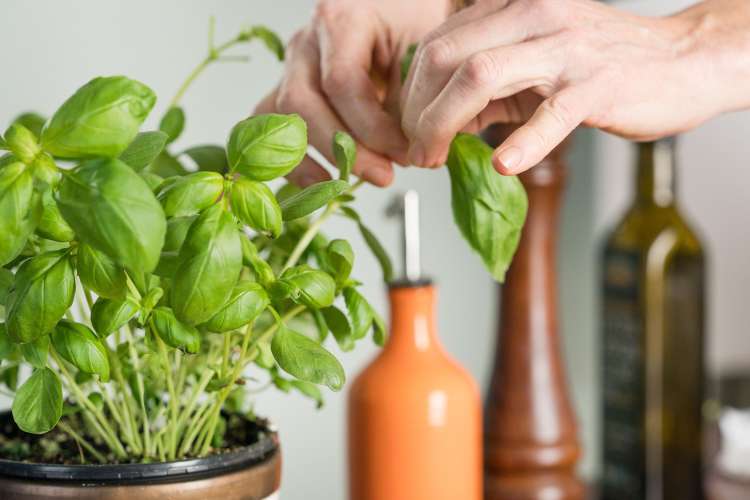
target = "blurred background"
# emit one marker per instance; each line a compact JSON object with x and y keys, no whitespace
{"x":50,"y":48}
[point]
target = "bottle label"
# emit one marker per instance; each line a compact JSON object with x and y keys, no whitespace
{"x":623,"y":377}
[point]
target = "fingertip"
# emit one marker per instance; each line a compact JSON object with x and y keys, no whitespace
{"x":378,"y":175}
{"x":507,"y":160}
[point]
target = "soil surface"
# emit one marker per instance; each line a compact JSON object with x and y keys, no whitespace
{"x":57,"y":447}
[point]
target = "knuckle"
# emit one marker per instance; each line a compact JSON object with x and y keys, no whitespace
{"x":437,"y":53}
{"x":292,"y":99}
{"x":559,"y":109}
{"x":335,"y":81}
{"x":480,"y":70}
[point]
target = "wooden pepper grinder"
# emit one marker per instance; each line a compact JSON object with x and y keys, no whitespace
{"x":530,"y":439}
{"x":415,"y":415}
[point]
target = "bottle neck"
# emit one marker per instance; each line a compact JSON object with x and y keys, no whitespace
{"x":412,"y":319}
{"x":656,"y":173}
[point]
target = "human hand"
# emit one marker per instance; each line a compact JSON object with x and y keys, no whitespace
{"x":553,"y":65}
{"x":342,"y":73}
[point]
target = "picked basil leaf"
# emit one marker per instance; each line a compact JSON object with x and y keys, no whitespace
{"x":44,"y":290}
{"x":306,"y":359}
{"x":111,"y":208}
{"x":144,"y":149}
{"x":489,"y":209}
{"x":191,"y":194}
{"x":100,"y":274}
{"x":35,"y":352}
{"x":255,"y":205}
{"x":38,"y":404}
{"x":100,"y":120}
{"x":312,"y":198}
{"x":406,"y":61}
{"x":209,"y":158}
{"x":52,"y":225}
{"x":266,"y":147}
{"x":247,"y":301}
{"x":209,"y":265}
{"x":80,"y":347}
{"x":173,"y":123}
{"x":109,"y":315}
{"x":311,"y":287}
{"x":173,"y":332}
{"x":20,"y":210}
{"x":345,"y":152}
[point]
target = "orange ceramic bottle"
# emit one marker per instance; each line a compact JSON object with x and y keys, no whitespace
{"x":415,"y":418}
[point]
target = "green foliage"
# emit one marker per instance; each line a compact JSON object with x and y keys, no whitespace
{"x":266,"y":147}
{"x":311,"y":198}
{"x":79,"y":346}
{"x":99,"y":273}
{"x":100,"y":120}
{"x":488,"y":208}
{"x":108,"y":315}
{"x":190,"y":194}
{"x":345,"y":152}
{"x":247,"y":301}
{"x":173,"y":123}
{"x":173,"y":332}
{"x":306,"y":359}
{"x":20,"y":210}
{"x":144,"y":149}
{"x":111,"y":208}
{"x":37,"y":406}
{"x":255,"y":206}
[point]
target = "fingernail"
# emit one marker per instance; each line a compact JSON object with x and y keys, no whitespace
{"x":509,"y":158}
{"x":416,"y":154}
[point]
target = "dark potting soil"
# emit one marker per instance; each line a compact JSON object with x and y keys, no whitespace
{"x":58,"y":447}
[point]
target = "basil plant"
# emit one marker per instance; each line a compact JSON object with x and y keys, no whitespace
{"x":145,"y":292}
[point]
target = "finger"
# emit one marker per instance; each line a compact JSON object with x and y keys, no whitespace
{"x":552,"y":122}
{"x":447,"y":47}
{"x":346,"y":59}
{"x":268,"y":103}
{"x":481,"y":79}
{"x":300,"y":93}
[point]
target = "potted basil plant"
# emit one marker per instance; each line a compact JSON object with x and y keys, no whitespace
{"x":144,"y":301}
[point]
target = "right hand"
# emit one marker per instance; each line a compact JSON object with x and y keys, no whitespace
{"x":342,"y":72}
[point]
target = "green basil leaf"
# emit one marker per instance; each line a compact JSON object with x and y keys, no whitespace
{"x":286,"y":191}
{"x":247,"y":301}
{"x":99,"y":120}
{"x":309,"y":390}
{"x":265,"y":147}
{"x":35,"y":352}
{"x":20,"y":210}
{"x":166,"y":165}
{"x":38,"y":404}
{"x":100,"y":274}
{"x":311,"y":287}
{"x":320,"y":324}
{"x":153,"y":181}
{"x":380,"y":332}
{"x":3,"y":144}
{"x":173,"y":332}
{"x":489,"y":209}
{"x":209,"y":265}
{"x":360,"y":312}
{"x":191,"y":194}
{"x":270,"y":39}
{"x":340,"y":327}
{"x":345,"y":153}
{"x":6,"y":281}
{"x":306,"y":359}
{"x":32,"y":121}
{"x":9,"y":377}
{"x":378,"y":251}
{"x":22,"y":143}
{"x":173,"y":123}
{"x":44,"y":291}
{"x":6,"y":345}
{"x":109,"y":315}
{"x":255,"y":205}
{"x":80,"y":347}
{"x":209,"y":158}
{"x":111,"y":208}
{"x":339,"y":260}
{"x":406,"y":61}
{"x":262,"y":270}
{"x":312,"y":198}
{"x":52,"y":225}
{"x":144,"y":149}
{"x":177,"y":229}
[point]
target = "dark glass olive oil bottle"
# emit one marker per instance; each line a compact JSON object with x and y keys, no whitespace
{"x":653,"y":343}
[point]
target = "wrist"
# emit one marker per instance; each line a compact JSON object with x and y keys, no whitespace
{"x":715,"y":46}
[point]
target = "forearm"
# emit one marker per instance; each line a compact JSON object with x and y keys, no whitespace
{"x":716,"y":44}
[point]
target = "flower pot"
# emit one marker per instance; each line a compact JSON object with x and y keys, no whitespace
{"x":251,"y":472}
